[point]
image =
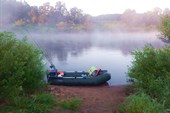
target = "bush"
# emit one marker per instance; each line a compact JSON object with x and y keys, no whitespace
{"x":21,"y":67}
{"x":141,"y":104}
{"x":151,"y":73}
{"x":165,"y":26}
{"x":21,"y":78}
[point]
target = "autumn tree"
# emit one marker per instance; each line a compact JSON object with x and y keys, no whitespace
{"x":129,"y":17}
{"x":61,"y":12}
{"x":149,"y":19}
{"x":33,"y":14}
{"x":43,"y":12}
{"x":166,"y":11}
{"x":152,"y":18}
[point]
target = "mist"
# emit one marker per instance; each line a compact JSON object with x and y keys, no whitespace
{"x":75,"y":44}
{"x":48,"y":18}
{"x":107,"y":50}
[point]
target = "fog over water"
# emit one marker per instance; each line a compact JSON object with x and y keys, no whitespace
{"x":80,"y":51}
{"x":102,"y":41}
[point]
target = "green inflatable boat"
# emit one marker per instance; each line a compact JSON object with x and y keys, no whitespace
{"x":78,"y":78}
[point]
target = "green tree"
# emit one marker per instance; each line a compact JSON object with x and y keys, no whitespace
{"x":165,"y":25}
{"x":21,"y":67}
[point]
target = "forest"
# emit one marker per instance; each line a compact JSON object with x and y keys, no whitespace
{"x":18,"y":14}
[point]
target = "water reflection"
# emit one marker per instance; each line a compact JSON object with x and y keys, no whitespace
{"x":109,"y":51}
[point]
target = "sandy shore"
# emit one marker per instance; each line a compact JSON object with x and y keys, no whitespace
{"x":95,"y":99}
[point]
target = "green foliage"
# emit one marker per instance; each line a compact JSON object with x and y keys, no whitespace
{"x":151,"y":73}
{"x":165,"y":26}
{"x":41,"y":103}
{"x":21,"y":67}
{"x":21,"y":78}
{"x":72,"y":104}
{"x":141,"y":104}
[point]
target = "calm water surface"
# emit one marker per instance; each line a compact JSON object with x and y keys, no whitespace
{"x":110,"y":51}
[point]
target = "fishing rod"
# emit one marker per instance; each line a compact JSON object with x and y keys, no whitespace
{"x":49,"y":59}
{"x":149,"y":45}
{"x":46,"y":55}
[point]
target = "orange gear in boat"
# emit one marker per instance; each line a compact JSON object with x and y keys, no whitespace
{"x":60,"y":73}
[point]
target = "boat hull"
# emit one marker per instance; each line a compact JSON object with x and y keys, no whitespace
{"x":76,"y":79}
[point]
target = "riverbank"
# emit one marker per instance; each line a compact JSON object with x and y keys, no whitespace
{"x":95,"y":99}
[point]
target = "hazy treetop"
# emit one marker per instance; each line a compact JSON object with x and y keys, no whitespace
{"x":99,"y":7}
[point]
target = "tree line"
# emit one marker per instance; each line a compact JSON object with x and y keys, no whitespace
{"x":131,"y":20}
{"x":21,"y":13}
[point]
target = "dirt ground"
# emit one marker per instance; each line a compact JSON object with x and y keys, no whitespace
{"x":95,"y":99}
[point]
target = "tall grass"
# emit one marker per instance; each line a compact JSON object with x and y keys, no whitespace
{"x":141,"y":103}
{"x":40,"y":103}
{"x":71,"y":104}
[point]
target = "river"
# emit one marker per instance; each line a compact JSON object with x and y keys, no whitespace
{"x":110,"y":51}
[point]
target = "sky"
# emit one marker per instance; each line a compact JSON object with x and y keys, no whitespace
{"x":99,"y":7}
